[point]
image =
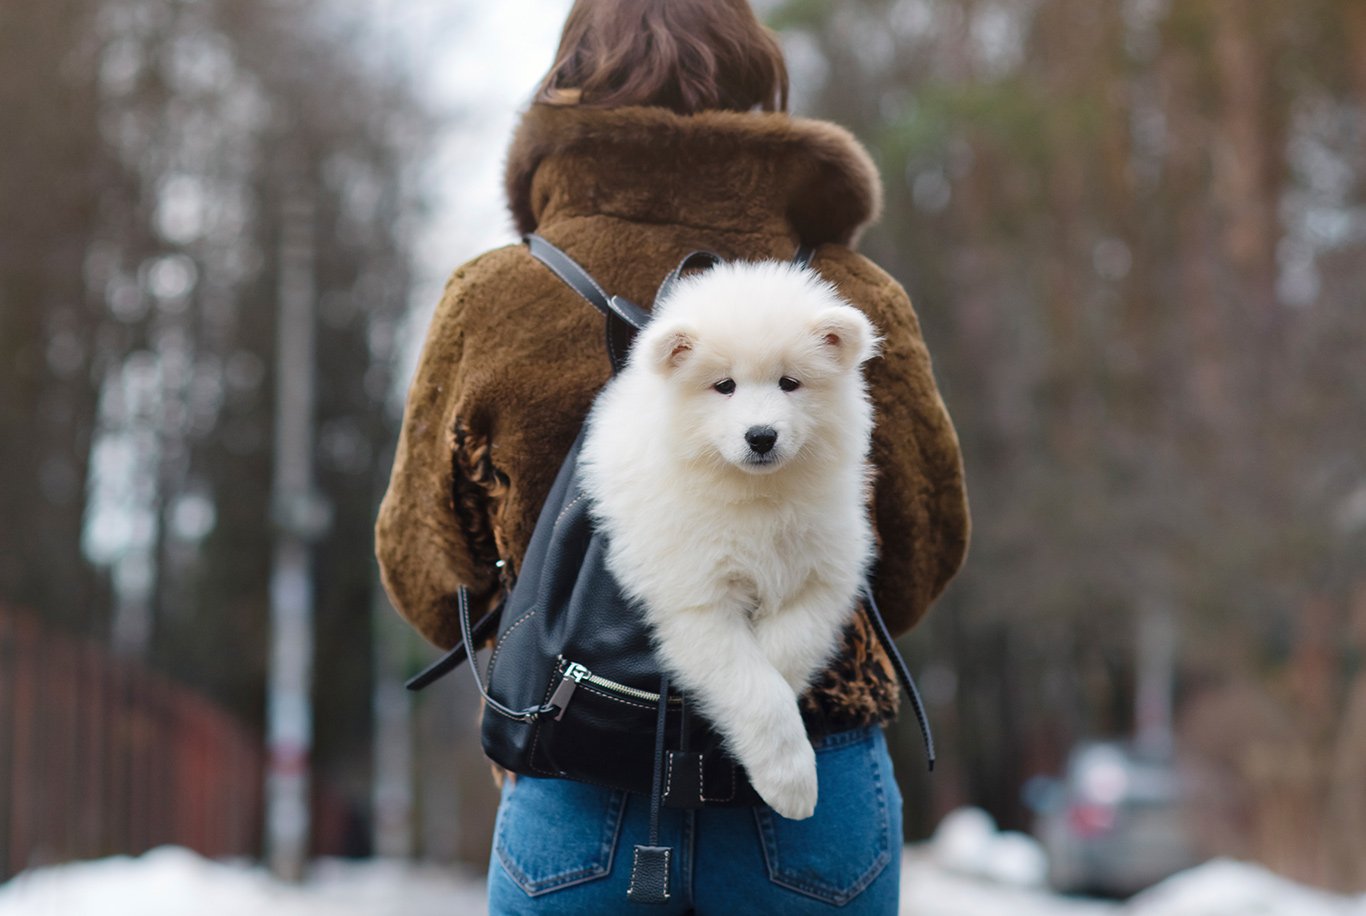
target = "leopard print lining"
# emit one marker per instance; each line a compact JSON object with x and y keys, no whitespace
{"x":480,"y":489}
{"x":859,"y":688}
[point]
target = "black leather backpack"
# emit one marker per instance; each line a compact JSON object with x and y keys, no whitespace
{"x":572,"y":688}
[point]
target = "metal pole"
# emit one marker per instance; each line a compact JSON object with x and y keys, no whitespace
{"x":392,"y":801}
{"x":1157,"y":652}
{"x":300,"y":517}
{"x":391,"y":790}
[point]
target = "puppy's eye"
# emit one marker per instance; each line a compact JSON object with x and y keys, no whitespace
{"x":725,"y":386}
{"x":788,"y":383}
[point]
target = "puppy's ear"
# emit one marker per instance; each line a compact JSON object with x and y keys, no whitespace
{"x":670,"y":347}
{"x":846,"y":334}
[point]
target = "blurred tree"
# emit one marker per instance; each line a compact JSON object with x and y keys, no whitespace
{"x":55,"y":175}
{"x":144,"y":162}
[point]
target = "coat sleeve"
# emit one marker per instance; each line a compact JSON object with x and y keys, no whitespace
{"x":432,"y":534}
{"x":919,"y":499}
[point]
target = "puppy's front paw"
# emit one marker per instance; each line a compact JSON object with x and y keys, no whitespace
{"x":789,"y":784}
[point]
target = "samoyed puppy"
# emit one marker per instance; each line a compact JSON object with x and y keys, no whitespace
{"x":727,"y":464}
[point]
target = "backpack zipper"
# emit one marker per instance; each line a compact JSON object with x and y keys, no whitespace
{"x":576,"y":674}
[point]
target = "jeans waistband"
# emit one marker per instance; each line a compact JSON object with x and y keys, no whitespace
{"x":839,"y":739}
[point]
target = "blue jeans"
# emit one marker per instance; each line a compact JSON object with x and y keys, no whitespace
{"x":565,"y":847}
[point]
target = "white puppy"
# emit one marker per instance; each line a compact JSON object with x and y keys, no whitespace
{"x":728,"y":466}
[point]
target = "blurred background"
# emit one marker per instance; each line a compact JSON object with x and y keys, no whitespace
{"x":1135,"y":235}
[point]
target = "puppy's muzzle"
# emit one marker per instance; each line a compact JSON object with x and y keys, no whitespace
{"x":761,"y":439}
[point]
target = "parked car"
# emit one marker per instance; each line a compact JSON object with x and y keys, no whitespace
{"x":1113,"y":824}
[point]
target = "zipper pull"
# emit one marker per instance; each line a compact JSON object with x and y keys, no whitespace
{"x":565,"y":689}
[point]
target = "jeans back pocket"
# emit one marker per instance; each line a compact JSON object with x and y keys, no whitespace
{"x":555,"y":833}
{"x":842,"y":848}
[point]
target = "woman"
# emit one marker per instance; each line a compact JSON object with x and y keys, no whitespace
{"x":661,"y":129}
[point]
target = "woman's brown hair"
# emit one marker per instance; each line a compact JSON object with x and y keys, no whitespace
{"x":688,"y":55}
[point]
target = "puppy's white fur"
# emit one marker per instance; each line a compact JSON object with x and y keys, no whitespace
{"x":747,"y":565}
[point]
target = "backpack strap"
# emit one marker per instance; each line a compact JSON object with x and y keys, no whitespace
{"x":462,"y":601}
{"x":705,"y":260}
{"x":650,"y":862}
{"x":903,"y":672}
{"x":623,"y":316}
{"x":578,"y":279}
{"x":699,"y":260}
{"x":457,"y":655}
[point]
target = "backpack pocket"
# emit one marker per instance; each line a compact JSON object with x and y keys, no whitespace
{"x":603,"y":726}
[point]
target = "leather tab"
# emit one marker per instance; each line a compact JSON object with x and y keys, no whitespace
{"x":650,"y":875}
{"x":683,"y":780}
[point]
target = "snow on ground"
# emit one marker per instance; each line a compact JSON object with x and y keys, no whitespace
{"x":1221,"y":887}
{"x":1225,"y":886}
{"x":171,"y":881}
{"x":968,"y":869}
{"x":930,"y":889}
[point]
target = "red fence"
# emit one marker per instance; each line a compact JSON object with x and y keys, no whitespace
{"x":98,"y":756}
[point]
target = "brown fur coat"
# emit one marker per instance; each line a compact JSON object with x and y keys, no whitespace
{"x":513,"y":358}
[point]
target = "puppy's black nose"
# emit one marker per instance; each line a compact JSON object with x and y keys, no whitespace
{"x":761,"y":438}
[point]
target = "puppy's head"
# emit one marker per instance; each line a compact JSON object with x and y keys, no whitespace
{"x":762,"y":366}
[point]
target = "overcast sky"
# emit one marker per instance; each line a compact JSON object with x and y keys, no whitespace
{"x":476,"y":62}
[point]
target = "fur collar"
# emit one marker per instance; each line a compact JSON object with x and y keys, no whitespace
{"x":653,"y":164}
